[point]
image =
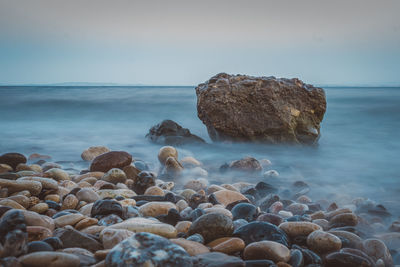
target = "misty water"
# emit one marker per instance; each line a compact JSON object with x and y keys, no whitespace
{"x":357,"y":156}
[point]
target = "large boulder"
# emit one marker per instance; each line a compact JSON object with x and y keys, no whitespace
{"x":265,"y":109}
{"x":169,"y":132}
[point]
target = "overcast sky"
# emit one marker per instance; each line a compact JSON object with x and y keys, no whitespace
{"x":351,"y":42}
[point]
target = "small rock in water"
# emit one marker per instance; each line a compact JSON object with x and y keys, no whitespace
{"x":260,"y":231}
{"x":268,"y":250}
{"x":247,"y":164}
{"x":114,"y":176}
{"x":94,"y":151}
{"x":271,"y":173}
{"x":12,"y":159}
{"x":109,"y":160}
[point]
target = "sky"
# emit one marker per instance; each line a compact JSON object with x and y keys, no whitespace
{"x":346,"y":43}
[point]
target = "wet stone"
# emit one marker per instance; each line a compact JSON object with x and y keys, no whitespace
{"x":323,"y":242}
{"x":239,"y":223}
{"x":144,"y":180}
{"x":245,"y":211}
{"x":50,"y":259}
{"x":217,"y":259}
{"x":72,"y":238}
{"x":345,"y":260}
{"x":196,"y":238}
{"x":143,"y":249}
{"x":259,"y":263}
{"x":110,"y":220}
{"x":106,"y":207}
{"x":109,"y":160}
{"x":114,"y":176}
{"x":270,"y":218}
{"x":212,"y":226}
{"x":259,"y":231}
{"x":12,"y":159}
{"x":310,"y":257}
{"x":36,"y":246}
{"x":54,"y":242}
{"x":296,"y":258}
{"x":268,"y":250}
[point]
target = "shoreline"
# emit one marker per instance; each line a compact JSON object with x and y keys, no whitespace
{"x":82,"y":218}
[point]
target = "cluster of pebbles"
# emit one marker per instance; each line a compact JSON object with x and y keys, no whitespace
{"x":120,"y":213}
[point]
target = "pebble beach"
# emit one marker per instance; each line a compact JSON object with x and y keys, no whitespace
{"x":120,"y":212}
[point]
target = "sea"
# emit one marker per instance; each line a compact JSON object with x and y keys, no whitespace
{"x":358,"y":153}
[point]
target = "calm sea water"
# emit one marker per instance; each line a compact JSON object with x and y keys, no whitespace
{"x":358,"y":153}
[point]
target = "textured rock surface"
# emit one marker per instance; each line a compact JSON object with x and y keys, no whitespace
{"x":266,"y":109}
{"x":145,"y":249}
{"x":169,"y":132}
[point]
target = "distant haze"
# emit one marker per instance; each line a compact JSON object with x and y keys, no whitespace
{"x":186,"y":42}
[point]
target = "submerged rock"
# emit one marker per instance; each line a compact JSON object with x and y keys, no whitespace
{"x":266,"y":109}
{"x":169,"y":132}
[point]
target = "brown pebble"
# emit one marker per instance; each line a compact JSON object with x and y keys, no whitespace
{"x":70,"y":202}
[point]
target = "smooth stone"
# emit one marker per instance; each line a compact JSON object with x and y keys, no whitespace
{"x":40,"y":208}
{"x":229,"y":245}
{"x":268,"y":250}
{"x":13,"y":241}
{"x":154,"y":191}
{"x":297,"y":208}
{"x":114,"y":176}
{"x":33,"y":187}
{"x":69,"y":202}
{"x":226,"y":197}
{"x":196,"y":238}
{"x":11,"y":203}
{"x":245,"y":211}
{"x":196,"y":185}
{"x":217,"y":259}
{"x":172,"y":167}
{"x":55,"y":242}
{"x":247,"y":164}
{"x":112,"y":237}
{"x":93,"y":230}
{"x":146,"y":225}
{"x":293,"y":229}
{"x":260,"y":263}
{"x":190,"y":162}
{"x":323,"y":223}
{"x":47,"y":183}
{"x":34,"y":219}
{"x":296,"y":258}
{"x":5,"y":168}
{"x":276,"y":207}
{"x":113,"y":193}
{"x":109,"y":160}
{"x":86,"y":257}
{"x":50,"y":259}
{"x":343,"y":259}
{"x":181,"y":205}
{"x":37,"y":246}
{"x":183,"y":226}
{"x":376,"y":249}
{"x":37,"y":233}
{"x":92,"y":152}
{"x":166,"y":152}
{"x":361,"y":254}
{"x":212,"y":226}
{"x":143,"y":181}
{"x":57,"y":174}
{"x":72,"y":238}
{"x":353,"y":240}
{"x":270,"y":218}
{"x":323,"y":242}
{"x":391,"y":240}
{"x":343,"y":219}
{"x":214,"y":188}
{"x":333,"y":213}
{"x":145,"y":249}
{"x":219,"y":210}
{"x":22,"y":200}
{"x":110,"y":220}
{"x":86,"y":222}
{"x":12,"y":159}
{"x":69,"y":219}
{"x":88,"y":195}
{"x":239,"y":223}
{"x":106,"y":207}
{"x":155,"y":208}
{"x":191,"y":247}
{"x":271,"y":174}
{"x":260,"y":231}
